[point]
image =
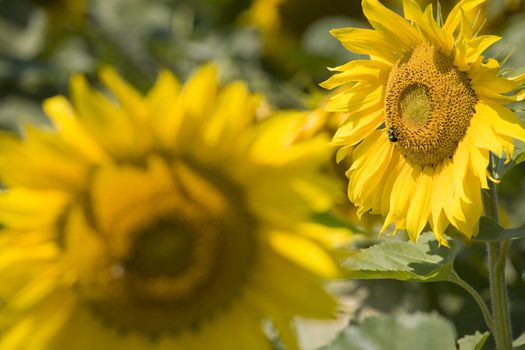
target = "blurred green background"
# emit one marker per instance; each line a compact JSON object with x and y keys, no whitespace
{"x":282,"y":48}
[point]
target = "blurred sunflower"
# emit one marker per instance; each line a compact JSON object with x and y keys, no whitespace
{"x":424,"y":111}
{"x":318,"y":121}
{"x":170,"y":221}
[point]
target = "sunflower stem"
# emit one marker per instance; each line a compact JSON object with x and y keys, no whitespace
{"x":497,"y":257}
{"x":487,"y":316}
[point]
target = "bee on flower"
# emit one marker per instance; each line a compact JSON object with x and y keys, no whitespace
{"x":424,"y":113}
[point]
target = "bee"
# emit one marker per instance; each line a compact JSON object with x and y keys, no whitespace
{"x":391,"y":132}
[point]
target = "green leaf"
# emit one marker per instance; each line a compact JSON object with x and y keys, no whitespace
{"x":520,"y":158}
{"x":490,"y":230}
{"x":402,"y":332}
{"x":473,"y":342}
{"x":519,"y":342}
{"x":501,"y":167}
{"x":423,"y":261}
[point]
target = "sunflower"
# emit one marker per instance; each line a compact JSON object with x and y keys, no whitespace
{"x":166,"y":221}
{"x":424,"y":112}
{"x":320,"y":121}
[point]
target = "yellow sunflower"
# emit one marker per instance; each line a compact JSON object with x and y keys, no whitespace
{"x":166,"y":221}
{"x":320,"y":121}
{"x":424,"y":111}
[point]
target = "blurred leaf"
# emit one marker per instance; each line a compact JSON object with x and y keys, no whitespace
{"x":519,"y":342}
{"x":423,"y":261}
{"x":384,"y":332}
{"x":26,"y":41}
{"x":317,"y":39}
{"x":520,"y":158}
{"x":473,"y":342}
{"x":490,"y":230}
{"x":501,"y":168}
{"x":512,"y":29}
{"x":17,"y":110}
{"x":330,"y":220}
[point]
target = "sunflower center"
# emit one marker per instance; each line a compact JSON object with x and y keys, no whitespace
{"x":171,"y":262}
{"x":428,"y":106}
{"x":415,"y":105}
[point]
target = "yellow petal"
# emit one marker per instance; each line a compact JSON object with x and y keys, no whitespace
{"x":201,"y":86}
{"x":474,"y":208}
{"x":35,"y":291}
{"x":61,"y":113}
{"x":182,"y":124}
{"x":162,"y":107}
{"x":401,"y":195}
{"x":420,"y":206}
{"x":486,"y":80}
{"x":358,"y":127}
{"x":249,"y":332}
{"x":397,"y":29}
{"x":368,"y":97}
{"x":233,"y":114}
{"x":42,"y":153}
{"x":108,"y":124}
{"x":36,"y":330}
{"x":479,"y":161}
{"x":478,"y":45}
{"x":484,"y":136}
{"x":132,"y":101}
{"x":438,"y":221}
{"x":306,"y":253}
{"x":293,"y":288}
{"x":437,"y":35}
{"x":460,"y":163}
{"x":412,"y":11}
{"x":502,"y":119}
{"x":371,"y":159}
{"x":343,"y":152}
{"x":428,"y":26}
{"x":373,"y":72}
{"x":391,"y":176}
{"x":25,"y":208}
{"x":166,"y":88}
{"x":470,"y":10}
{"x":368,"y":42}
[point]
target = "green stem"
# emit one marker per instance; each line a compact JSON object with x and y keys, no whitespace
{"x":481,"y":303}
{"x":497,"y":255}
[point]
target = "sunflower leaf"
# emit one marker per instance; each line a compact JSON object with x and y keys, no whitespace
{"x":490,"y":230}
{"x":473,"y":342}
{"x":385,"y":332}
{"x":423,"y":261}
{"x":519,"y":342}
{"x":520,"y":158}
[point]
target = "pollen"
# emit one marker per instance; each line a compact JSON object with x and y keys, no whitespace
{"x":429,"y":104}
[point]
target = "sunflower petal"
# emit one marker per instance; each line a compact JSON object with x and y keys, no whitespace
{"x":470,"y":10}
{"x":367,"y":42}
{"x":502,"y":119}
{"x":373,"y":72}
{"x":420,"y":207}
{"x":391,"y":24}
